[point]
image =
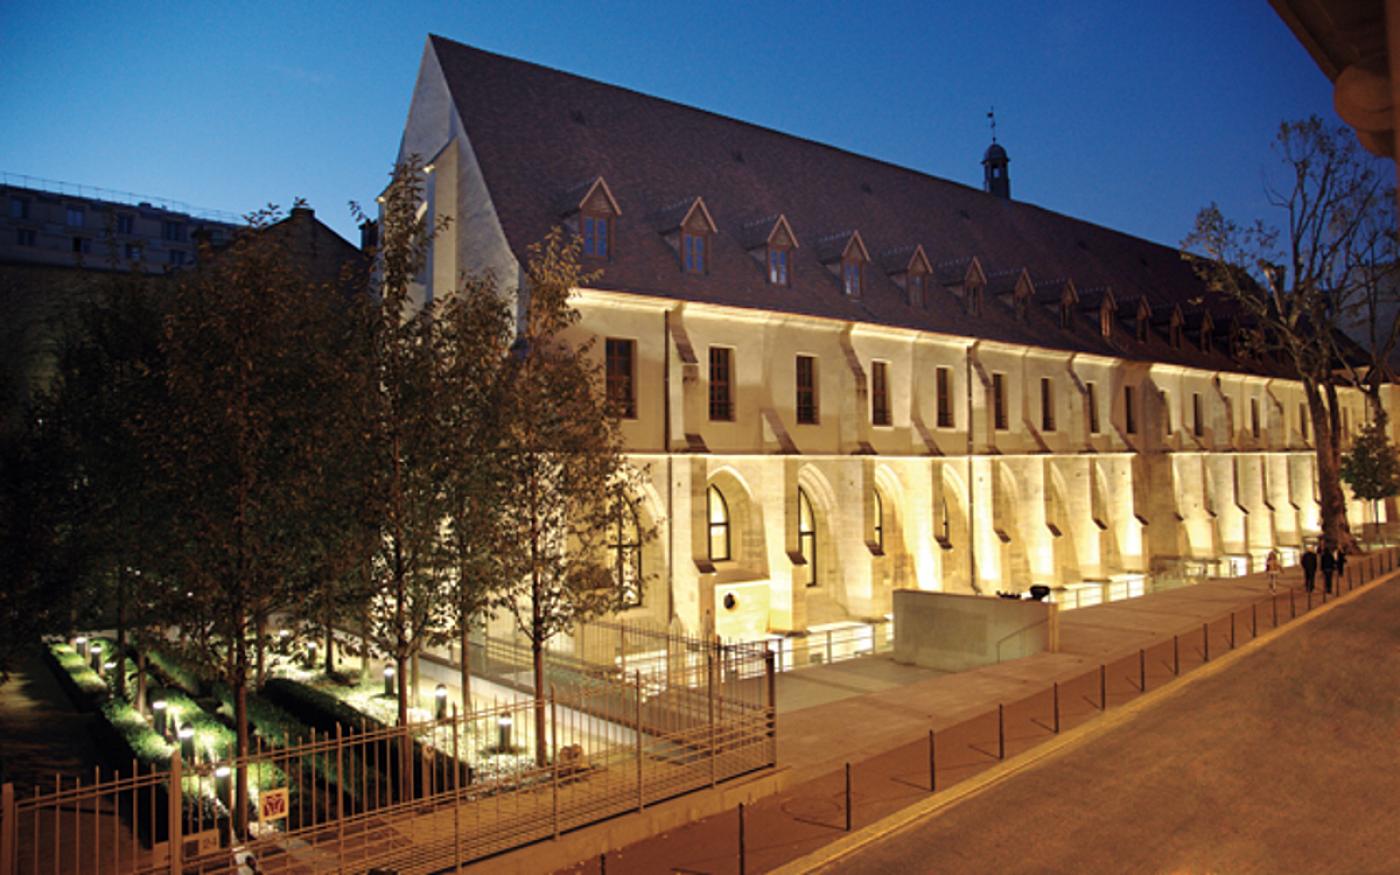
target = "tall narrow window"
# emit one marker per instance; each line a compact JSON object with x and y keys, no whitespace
{"x":1129,"y":410}
{"x":999,"y":401}
{"x":1303,"y":420}
{"x":595,"y":235}
{"x":721,"y":383}
{"x":621,"y":376}
{"x":1198,"y":426}
{"x":694,"y":248}
{"x":1254,"y":417}
{"x":851,"y":278}
{"x":806,"y":390}
{"x":879,"y":393}
{"x":917,"y":282}
{"x":1047,"y":404}
{"x":807,"y":535}
{"x":878,"y":516}
{"x":945,"y":397}
{"x":626,"y":544}
{"x":1091,"y":401}
{"x":778,"y":265}
{"x":717,"y":511}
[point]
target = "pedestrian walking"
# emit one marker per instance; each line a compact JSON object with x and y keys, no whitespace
{"x":1328,"y":562}
{"x":1310,"y":568}
{"x":1341,"y":566}
{"x":1272,"y":566}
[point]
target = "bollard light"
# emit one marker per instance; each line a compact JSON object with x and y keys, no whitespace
{"x":388,"y":680}
{"x":440,"y":694}
{"x":186,"y":734}
{"x":311,"y":654}
{"x":96,"y":651}
{"x":81,"y":643}
{"x":107,"y":668}
{"x":503,"y":733}
{"x":158,"y":708}
{"x":221,"y":781}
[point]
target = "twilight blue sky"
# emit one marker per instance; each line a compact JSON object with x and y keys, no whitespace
{"x":1129,"y":114}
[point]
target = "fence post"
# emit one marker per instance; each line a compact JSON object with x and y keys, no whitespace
{"x":710,"y":702}
{"x":772,"y":706}
{"x":554,"y":749}
{"x":932,"y":764}
{"x":742,"y":867}
{"x":340,"y":794}
{"x":8,"y":830}
{"x":640,"y":787}
{"x":848,"y":797}
{"x":174,"y":821}
{"x":456,"y":795}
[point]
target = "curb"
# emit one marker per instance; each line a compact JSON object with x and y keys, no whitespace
{"x":868,"y":835}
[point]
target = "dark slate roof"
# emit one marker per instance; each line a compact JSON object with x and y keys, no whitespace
{"x":538,"y":132}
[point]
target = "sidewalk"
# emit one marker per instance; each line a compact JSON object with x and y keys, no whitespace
{"x":41,"y":733}
{"x":877,"y":716}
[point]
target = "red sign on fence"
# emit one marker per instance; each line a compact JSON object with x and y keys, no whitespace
{"x":272,"y":805}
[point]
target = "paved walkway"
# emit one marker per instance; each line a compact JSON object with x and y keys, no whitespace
{"x":1296,"y":770}
{"x":883,"y":733}
{"x":41,"y":733}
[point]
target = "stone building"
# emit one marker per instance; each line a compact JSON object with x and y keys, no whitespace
{"x":845,"y":377}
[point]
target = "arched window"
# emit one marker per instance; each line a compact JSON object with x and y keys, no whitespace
{"x":718,"y":512}
{"x":879,"y":521}
{"x":625,"y":541}
{"x":807,"y":535}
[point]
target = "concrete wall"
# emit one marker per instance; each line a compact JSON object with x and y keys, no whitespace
{"x":954,"y":632}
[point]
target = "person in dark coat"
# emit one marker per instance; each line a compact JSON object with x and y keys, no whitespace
{"x":1341,"y":566}
{"x":1329,"y":567}
{"x":1310,"y":569}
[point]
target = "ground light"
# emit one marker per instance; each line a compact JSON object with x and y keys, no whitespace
{"x":81,"y":643}
{"x":158,"y":716}
{"x":311,"y":654}
{"x":96,"y":651}
{"x":187,"y":742}
{"x":388,"y":680}
{"x":440,"y":695}
{"x":221,"y":781}
{"x":503,"y":732}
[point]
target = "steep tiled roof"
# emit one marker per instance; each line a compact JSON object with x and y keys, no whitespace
{"x":537,"y":132}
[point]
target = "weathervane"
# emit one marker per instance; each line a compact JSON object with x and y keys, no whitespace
{"x":992,"y":117}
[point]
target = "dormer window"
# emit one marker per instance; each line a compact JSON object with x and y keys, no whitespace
{"x":596,"y":234}
{"x":1206,"y":343}
{"x":778,"y":258}
{"x":851,"y":279}
{"x":1066,"y":316}
{"x":918,"y":283}
{"x":693,"y":246}
{"x":1106,"y":314}
{"x":1141,"y":328}
{"x":974,"y":299}
{"x":1175,"y":334}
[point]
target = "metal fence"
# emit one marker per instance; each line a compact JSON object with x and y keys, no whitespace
{"x":422,"y":797}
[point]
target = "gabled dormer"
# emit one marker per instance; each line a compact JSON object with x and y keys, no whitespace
{"x":1175,"y":326}
{"x":1013,"y":288}
{"x":965,"y":278}
{"x":1205,"y":331}
{"x":1061,"y":297}
{"x":845,"y":255}
{"x":689,"y":228}
{"x":590,"y":210}
{"x":1142,"y":319}
{"x":771,"y":242}
{"x":911,"y":270}
{"x":1100,"y":304}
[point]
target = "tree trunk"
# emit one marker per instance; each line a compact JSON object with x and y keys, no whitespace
{"x":413,"y":687}
{"x":261,"y":628}
{"x":240,"y":720}
{"x":466,"y":666}
{"x":537,"y":652}
{"x":1329,"y":481}
{"x":121,"y":634}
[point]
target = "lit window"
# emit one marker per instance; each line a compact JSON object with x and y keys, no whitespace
{"x":75,"y":217}
{"x":694,"y":246}
{"x":718,"y":513}
{"x":807,"y":535}
{"x":851,"y":278}
{"x":879,"y":393}
{"x":595,"y":235}
{"x":621,"y":374}
{"x":806,"y":390}
{"x":626,"y":543}
{"x":945,"y":397}
{"x":778,"y":266}
{"x":999,"y":401}
{"x":721,"y":383}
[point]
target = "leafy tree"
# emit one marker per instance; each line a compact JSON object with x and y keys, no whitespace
{"x":254,"y":386}
{"x":566,"y":481}
{"x":1303,"y":280}
{"x":473,"y":330}
{"x":1371,"y":467}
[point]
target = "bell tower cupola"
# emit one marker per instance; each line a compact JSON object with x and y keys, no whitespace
{"x":996,"y":178}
